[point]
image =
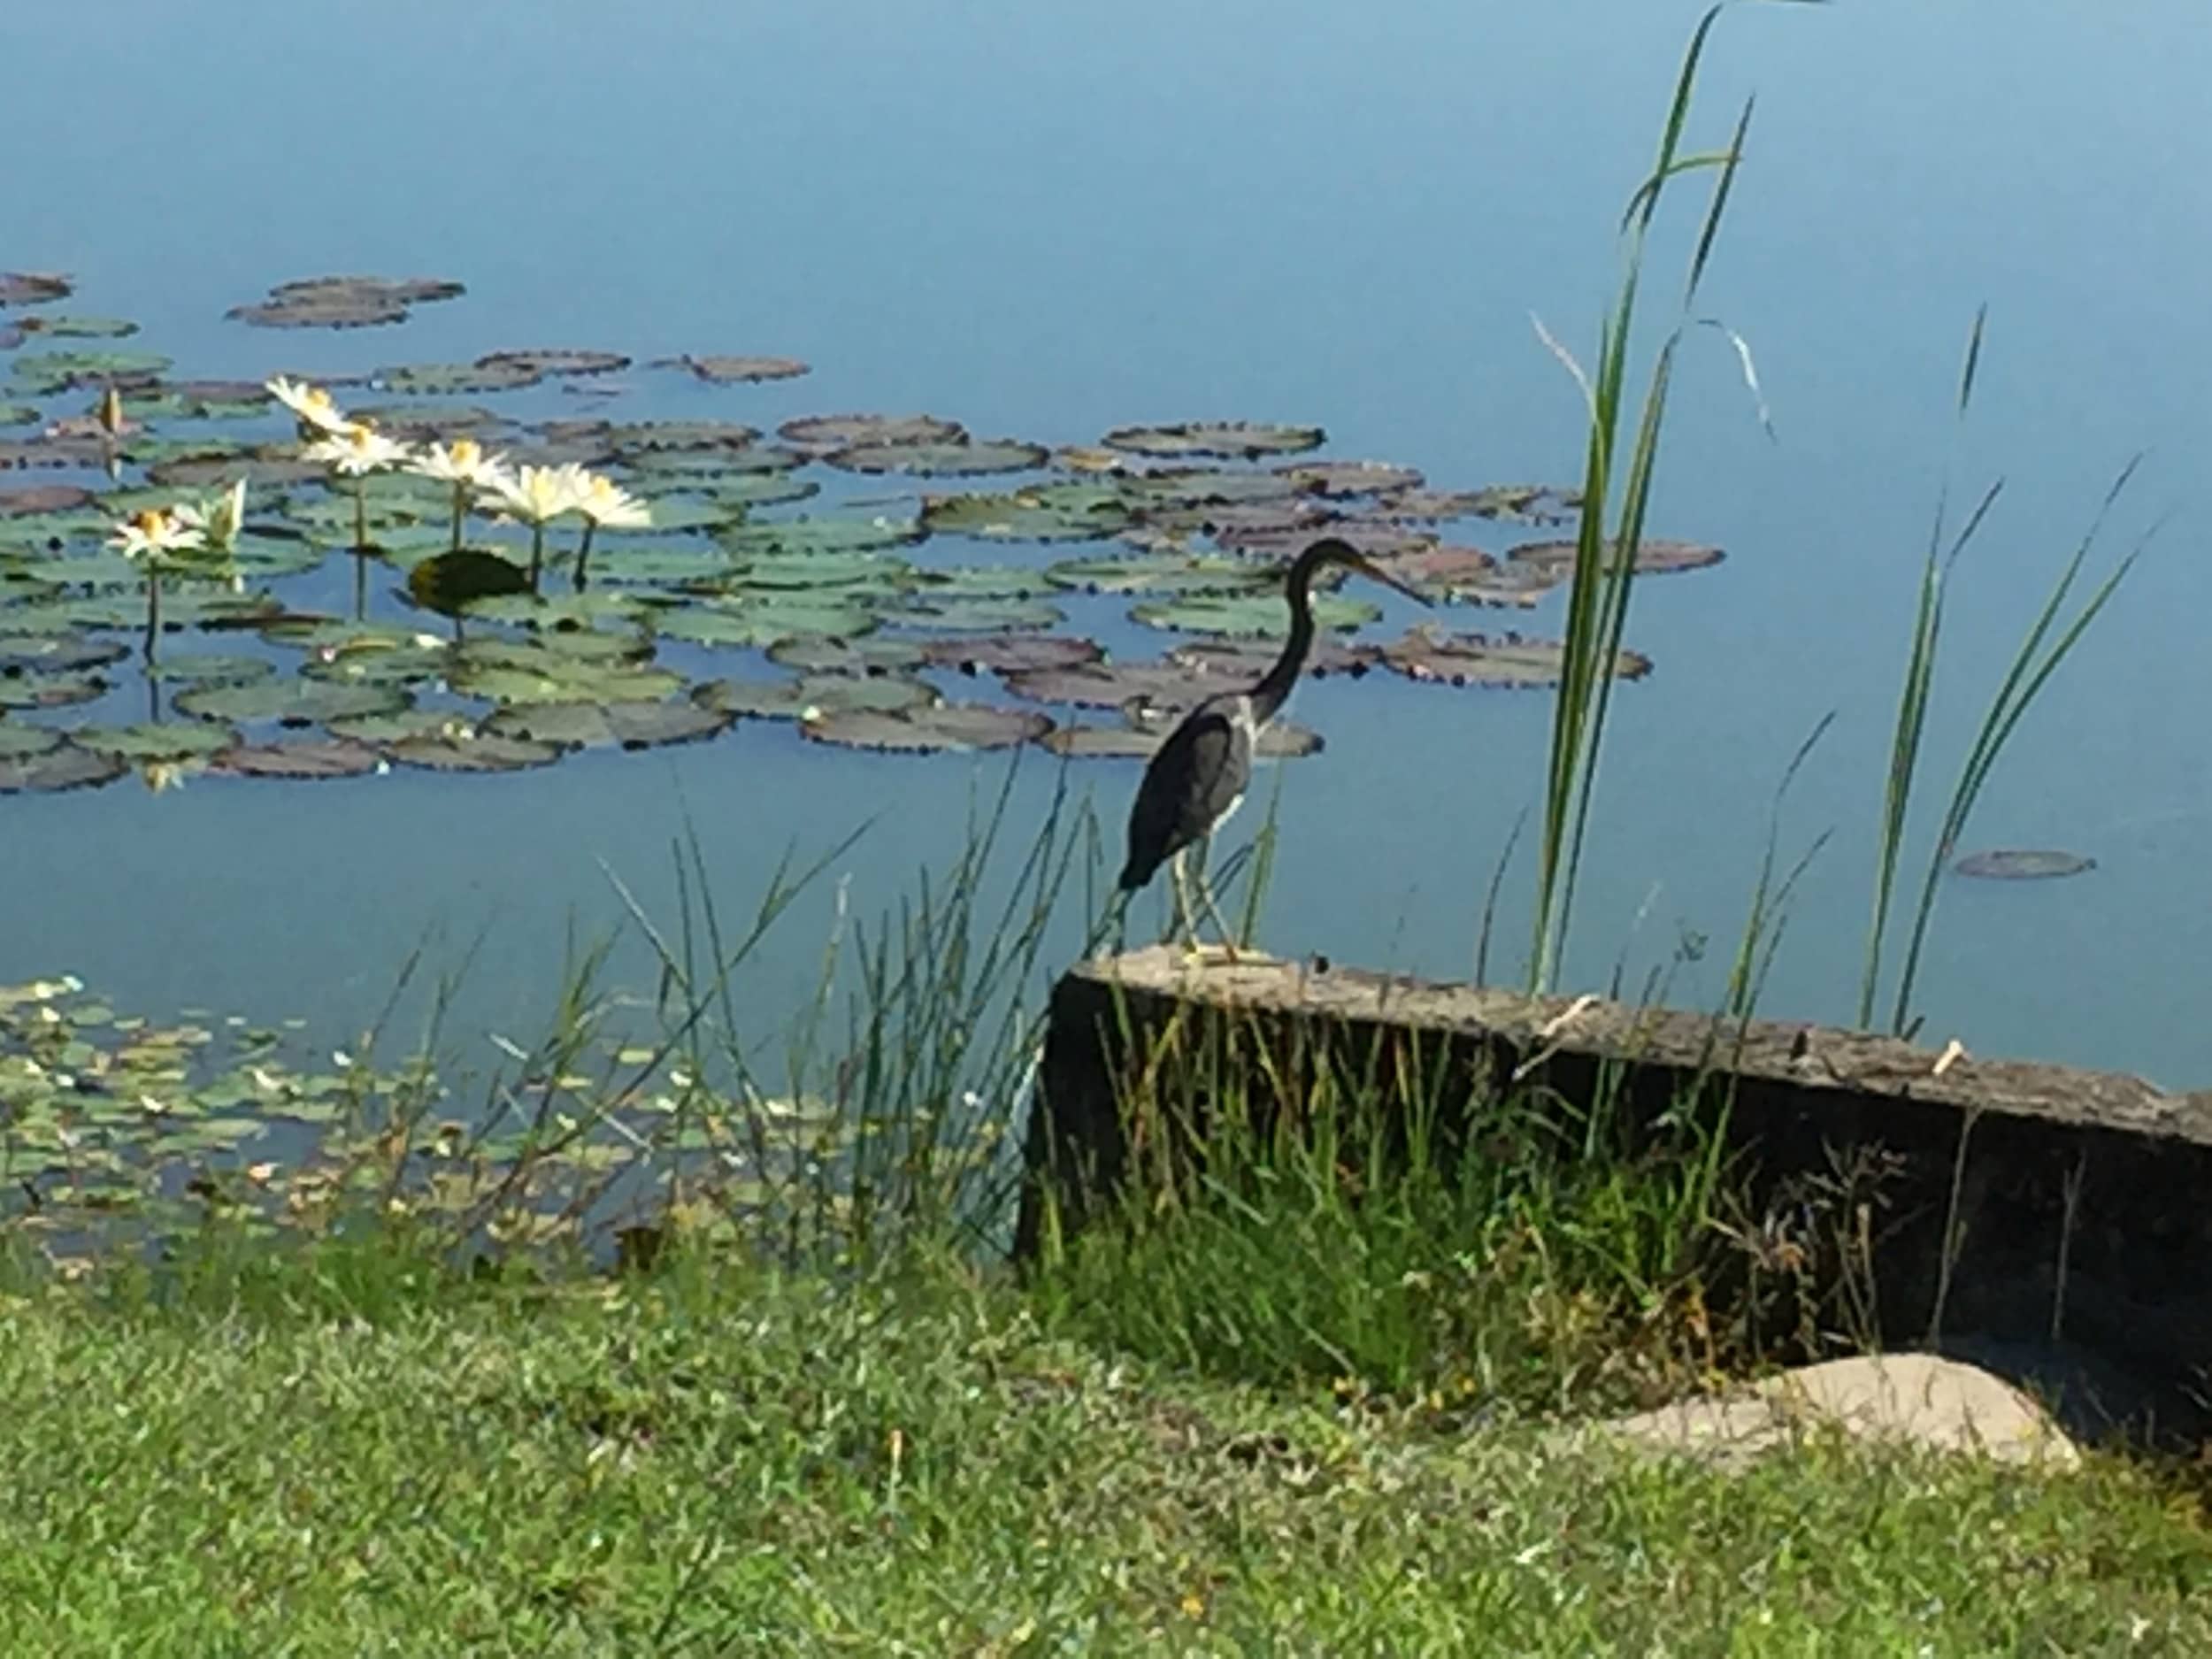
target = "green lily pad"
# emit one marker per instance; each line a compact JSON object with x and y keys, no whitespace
{"x":823,"y":654}
{"x":647,"y":437}
{"x":414,"y":290}
{"x":1432,"y":505}
{"x":404,"y":723}
{"x":675,"y":513}
{"x":1259,"y":614}
{"x":659,"y":564}
{"x":288,"y":702}
{"x":843,"y":533}
{"x":712,"y":467}
{"x":562,"y":613}
{"x":947,"y":725}
{"x":447,"y":583}
{"x":1234,"y":439}
{"x":262,"y":470}
{"x":821,"y":433}
{"x":975,"y":616}
{"x":1507,"y":659}
{"x":178,"y":740}
{"x":972,"y":456}
{"x":429,"y":422}
{"x":2023,"y":864}
{"x":561,"y":360}
{"x":40,"y":373}
{"x":1653,"y":557}
{"x":63,"y":767}
{"x":979,"y":581}
{"x":62,"y":327}
{"x":550,"y":678}
{"x":760,"y":489}
{"x":722,"y":370}
{"x":741,"y":621}
{"x":208,"y":399}
{"x":50,"y":691}
{"x":303,"y":760}
{"x":813,"y":694}
{"x":65,"y":654}
{"x":18,"y":741}
{"x":452,"y":380}
{"x":630,"y":726}
{"x":209,"y":668}
{"x":1350,"y":478}
{"x":1158,"y":573}
{"x":1009,"y":653}
{"x":20,"y":414}
{"x":860,"y":577}
{"x":1206,"y":490}
{"x":485,"y":751}
{"x":1072,"y":512}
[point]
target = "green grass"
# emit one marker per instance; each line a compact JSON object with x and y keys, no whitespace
{"x":313,"y":1455}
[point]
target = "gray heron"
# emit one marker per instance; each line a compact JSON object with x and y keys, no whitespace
{"x":1194,"y":781}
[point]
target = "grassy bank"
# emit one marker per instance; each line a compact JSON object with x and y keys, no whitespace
{"x":336,"y":1453}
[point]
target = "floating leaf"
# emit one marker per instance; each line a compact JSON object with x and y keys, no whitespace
{"x":1652,"y":557}
{"x":1158,"y":573}
{"x":826,"y":654}
{"x":1116,"y":685}
{"x":1528,"y":503}
{"x":659,"y":564}
{"x":1174,"y":529}
{"x":179,"y":740}
{"x":712,"y":467}
{"x":428,"y":423}
{"x":63,"y":767}
{"x":1377,"y":538}
{"x":718,"y":370}
{"x":1187,"y":488}
{"x":1048,"y":512}
{"x":615,"y":725}
{"x":1350,"y":478}
{"x":975,"y":616}
{"x":979,"y":581}
{"x":209,"y":668}
{"x":216,"y":399}
{"x":485,"y":751}
{"x":650,"y":437}
{"x":261,"y":472}
{"x":674,"y":514}
{"x":1441,"y":569}
{"x":67,"y":328}
{"x":31,"y":288}
{"x":739,"y":621}
{"x":2023,"y":864}
{"x":332,"y":312}
{"x":1475,"y":659}
{"x":306,"y":759}
{"x":1279,"y":739}
{"x":1261,"y":614}
{"x":1434,"y":505}
{"x":544,"y":677}
{"x":1003,"y":653}
{"x":563,"y":613}
{"x":928,"y":731}
{"x":20,"y":414}
{"x":1247,"y":439}
{"x":64,"y":654}
{"x":450,"y":582}
{"x":793,"y":699}
{"x":28,"y":452}
{"x":453,"y":380}
{"x":761,"y":489}
{"x":390,"y":728}
{"x":827,"y":534}
{"x":555,"y":360}
{"x":50,"y":691}
{"x":288,"y":702}
{"x":18,"y":741}
{"x":819,"y":434}
{"x":399,"y":290}
{"x":1244,"y":661}
{"x":935,"y":460}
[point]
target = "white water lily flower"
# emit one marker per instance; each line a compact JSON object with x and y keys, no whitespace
{"x":154,"y":533}
{"x":357,"y":449}
{"x":220,"y":521}
{"x":463,"y":461}
{"x":311,"y":403}
{"x":537,"y":495}
{"x":607,"y":504}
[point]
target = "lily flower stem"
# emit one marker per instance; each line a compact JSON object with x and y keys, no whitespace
{"x":583,"y":552}
{"x":537,"y":553}
{"x":153,"y":609}
{"x":360,"y":514}
{"x":460,"y":511}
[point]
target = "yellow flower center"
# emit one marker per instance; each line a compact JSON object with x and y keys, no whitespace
{"x":315,"y":397}
{"x":151,"y":522}
{"x":464,"y":452}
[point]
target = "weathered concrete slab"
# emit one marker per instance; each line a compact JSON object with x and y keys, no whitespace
{"x":2073,"y":1207}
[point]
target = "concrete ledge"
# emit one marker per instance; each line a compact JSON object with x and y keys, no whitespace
{"x":2076,"y":1205}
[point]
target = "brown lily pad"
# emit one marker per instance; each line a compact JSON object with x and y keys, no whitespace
{"x":1377,"y":538}
{"x":555,"y":360}
{"x":1246,"y":440}
{"x":1116,"y":685}
{"x":486,"y":751}
{"x":717,"y":369}
{"x":1504,"y":659}
{"x":821,"y":433}
{"x":946,"y":726}
{"x":398,"y":290}
{"x":1350,"y":478}
{"x":1652,"y":557}
{"x":1008,"y":653}
{"x":307,"y":759}
{"x":260,"y":471}
{"x":42,"y":498}
{"x":1244,"y":661}
{"x":970,"y":457}
{"x":630,"y":726}
{"x":1528,"y":503}
{"x":31,"y":288}
{"x":332,"y":312}
{"x":873,"y":654}
{"x":63,"y":767}
{"x":1431,"y":506}
{"x":33,"y":452}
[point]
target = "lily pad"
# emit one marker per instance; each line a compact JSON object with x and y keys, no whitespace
{"x":2023,"y":864}
{"x":41,"y":452}
{"x":1652,"y":557}
{"x":43,"y":372}
{"x":1186,"y":488}
{"x":844,"y":533}
{"x":941,"y":582}
{"x":18,"y":741}
{"x":1351,"y":478}
{"x":68,"y":327}
{"x":31,"y":288}
{"x":261,"y":471}
{"x":616,"y":724}
{"x":873,"y":654}
{"x":20,"y":414}
{"x":562,"y":613}
{"x":1529,"y":503}
{"x":561,"y":360}
{"x":763,"y":621}
{"x":1506,"y":659}
{"x":1241,"y":662}
{"x":401,"y":290}
{"x":1377,"y":538}
{"x":658,"y":564}
{"x":209,"y":668}
{"x":650,"y":437}
{"x":63,"y":767}
{"x":1008,"y":653}
{"x":1441,"y":569}
{"x":453,"y":380}
{"x":674,"y":514}
{"x":50,"y":691}
{"x":1158,"y":573}
{"x":718,"y":369}
{"x":544,"y":677}
{"x":320,"y":312}
{"x":1072,"y":511}
{"x":428,"y":423}
{"x":390,"y":728}
{"x":712,"y":467}
{"x":975,"y":616}
{"x":936,"y":460}
{"x":813,"y":693}
{"x":63,"y":654}
{"x":1279,"y":739}
{"x":821,"y":433}
{"x":1433,"y":505}
{"x":288,"y":702}
{"x":1234,"y":439}
{"x":948,"y":725}
{"x":303,"y":760}
{"x":1116,"y":685}
{"x":761,"y":489}
{"x":485,"y":751}
{"x":1259,"y":614}
{"x":183,"y":740}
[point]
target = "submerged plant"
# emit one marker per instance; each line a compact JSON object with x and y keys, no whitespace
{"x":464,"y":464}
{"x":151,"y":537}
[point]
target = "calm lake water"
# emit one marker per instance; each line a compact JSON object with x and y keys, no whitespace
{"x":1047,"y":221}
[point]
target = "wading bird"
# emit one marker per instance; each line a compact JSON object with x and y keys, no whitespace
{"x":1195,"y":779}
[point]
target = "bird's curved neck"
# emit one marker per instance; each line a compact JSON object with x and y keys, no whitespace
{"x":1276,"y":685}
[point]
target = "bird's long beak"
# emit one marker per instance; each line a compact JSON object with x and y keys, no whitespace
{"x":1367,"y":567}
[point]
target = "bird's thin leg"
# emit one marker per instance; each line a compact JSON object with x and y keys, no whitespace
{"x":1228,"y":935}
{"x":1179,"y":878}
